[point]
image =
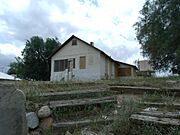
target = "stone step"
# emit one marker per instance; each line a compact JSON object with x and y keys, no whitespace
{"x":74,"y":94}
{"x":156,"y":104}
{"x":82,"y":102}
{"x":137,"y":118}
{"x":69,"y":125}
{"x":161,"y":114}
{"x":142,"y":90}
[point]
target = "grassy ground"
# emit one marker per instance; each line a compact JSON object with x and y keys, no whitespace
{"x":122,"y":125}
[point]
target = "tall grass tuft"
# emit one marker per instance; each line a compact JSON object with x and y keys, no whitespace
{"x":122,"y":123}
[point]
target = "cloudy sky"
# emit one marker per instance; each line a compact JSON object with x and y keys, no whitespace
{"x":108,"y":23}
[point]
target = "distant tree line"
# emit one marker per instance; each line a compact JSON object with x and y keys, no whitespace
{"x":34,"y":63}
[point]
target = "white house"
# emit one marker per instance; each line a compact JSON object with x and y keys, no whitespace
{"x":78,"y":60}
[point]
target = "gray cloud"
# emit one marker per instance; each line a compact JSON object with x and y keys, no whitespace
{"x":5,"y":60}
{"x":33,"y":21}
{"x":120,"y":53}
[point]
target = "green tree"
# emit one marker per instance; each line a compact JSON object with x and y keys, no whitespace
{"x":158,"y":32}
{"x":16,"y":68}
{"x":35,"y":64}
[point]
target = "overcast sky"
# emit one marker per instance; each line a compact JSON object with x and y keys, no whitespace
{"x":107,"y":23}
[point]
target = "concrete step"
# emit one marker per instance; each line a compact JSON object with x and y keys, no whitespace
{"x":74,"y":94}
{"x":69,"y":125}
{"x":137,"y":118}
{"x":132,"y":89}
{"x":161,"y":114}
{"x":156,"y":104}
{"x":82,"y":102}
{"x":142,"y":90}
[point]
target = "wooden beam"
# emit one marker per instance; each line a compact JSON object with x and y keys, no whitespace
{"x":132,"y":90}
{"x":77,"y":124}
{"x":161,"y":114}
{"x":70,"y":94}
{"x":82,"y":102}
{"x":156,"y":120}
{"x":174,"y":105}
{"x":142,"y":90}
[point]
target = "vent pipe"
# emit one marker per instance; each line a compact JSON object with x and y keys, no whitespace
{"x":92,"y":43}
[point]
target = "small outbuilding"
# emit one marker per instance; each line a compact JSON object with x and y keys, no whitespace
{"x":4,"y":76}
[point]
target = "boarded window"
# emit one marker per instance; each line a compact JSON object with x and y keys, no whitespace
{"x":124,"y":72}
{"x":74,"y":42}
{"x":61,"y":65}
{"x":82,"y":62}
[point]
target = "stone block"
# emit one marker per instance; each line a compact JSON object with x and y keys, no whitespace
{"x":12,"y":111}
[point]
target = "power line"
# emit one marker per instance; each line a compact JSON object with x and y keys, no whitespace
{"x":126,"y":38}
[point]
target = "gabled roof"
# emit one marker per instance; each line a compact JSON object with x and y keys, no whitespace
{"x":127,"y":64}
{"x":4,"y":76}
{"x":68,"y":40}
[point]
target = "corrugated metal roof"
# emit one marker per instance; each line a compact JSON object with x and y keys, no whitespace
{"x":4,"y":76}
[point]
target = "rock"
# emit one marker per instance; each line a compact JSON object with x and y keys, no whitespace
{"x":104,"y":116}
{"x":32,"y":120}
{"x":171,"y":81}
{"x":44,"y":112}
{"x":68,"y":133}
{"x":115,"y":112}
{"x":35,"y":133}
{"x":87,"y":132}
{"x":46,"y":123}
{"x":36,"y":106}
{"x":151,"y":109}
{"x":12,"y":111}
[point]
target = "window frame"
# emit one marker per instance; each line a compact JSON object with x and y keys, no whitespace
{"x":82,"y":62}
{"x":62,"y":64}
{"x":74,"y":42}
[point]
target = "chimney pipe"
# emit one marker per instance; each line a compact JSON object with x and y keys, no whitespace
{"x":92,"y":43}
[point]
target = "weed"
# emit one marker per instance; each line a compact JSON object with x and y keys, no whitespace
{"x":33,"y":94}
{"x":151,"y":129}
{"x":122,"y":124}
{"x":81,"y":112}
{"x":174,"y":131}
{"x":166,"y":97}
{"x":48,"y":131}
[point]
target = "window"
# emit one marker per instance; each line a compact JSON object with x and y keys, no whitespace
{"x":71,"y":63}
{"x":74,"y":63}
{"x":56,"y":65}
{"x":61,"y":65}
{"x":82,"y":62}
{"x":74,"y":42}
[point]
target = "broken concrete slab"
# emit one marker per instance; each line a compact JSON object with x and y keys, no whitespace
{"x":155,"y":120}
{"x":142,"y":90}
{"x":64,"y":126}
{"x":82,"y":102}
{"x":12,"y":110}
{"x":161,"y":114}
{"x":73,"y":94}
